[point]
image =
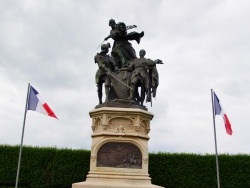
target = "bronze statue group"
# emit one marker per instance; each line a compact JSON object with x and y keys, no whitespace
{"x":123,"y":73}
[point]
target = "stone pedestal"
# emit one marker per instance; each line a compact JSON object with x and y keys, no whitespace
{"x":119,"y":152}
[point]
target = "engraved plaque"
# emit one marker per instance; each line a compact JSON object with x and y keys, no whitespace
{"x":126,"y":123}
{"x":119,"y":155}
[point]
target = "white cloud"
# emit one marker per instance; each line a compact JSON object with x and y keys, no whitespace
{"x":51,"y":44}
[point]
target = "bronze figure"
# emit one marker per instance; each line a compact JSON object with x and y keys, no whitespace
{"x":122,"y":73}
{"x":105,"y":64}
{"x":122,"y":50}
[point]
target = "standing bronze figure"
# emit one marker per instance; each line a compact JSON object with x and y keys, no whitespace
{"x":145,"y":76}
{"x":122,"y":50}
{"x":106,"y":65}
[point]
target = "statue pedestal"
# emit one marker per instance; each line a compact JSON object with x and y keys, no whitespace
{"x":119,"y":152}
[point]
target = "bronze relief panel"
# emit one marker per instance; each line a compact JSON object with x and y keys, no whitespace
{"x":119,"y":155}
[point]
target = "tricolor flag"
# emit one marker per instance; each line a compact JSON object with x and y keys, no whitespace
{"x":33,"y":102}
{"x":218,"y":110}
{"x":36,"y":103}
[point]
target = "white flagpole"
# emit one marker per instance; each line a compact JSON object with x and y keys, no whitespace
{"x":216,"y":153}
{"x":21,"y":145}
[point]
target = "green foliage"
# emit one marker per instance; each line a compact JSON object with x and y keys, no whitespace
{"x":43,"y":167}
{"x":52,"y":167}
{"x":182,"y":170}
{"x":191,"y":170}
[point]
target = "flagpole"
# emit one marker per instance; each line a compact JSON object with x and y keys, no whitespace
{"x":21,"y":145}
{"x":215,"y":141}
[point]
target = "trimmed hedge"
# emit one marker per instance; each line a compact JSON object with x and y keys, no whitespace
{"x":191,"y":170}
{"x":43,"y":167}
{"x":52,"y":167}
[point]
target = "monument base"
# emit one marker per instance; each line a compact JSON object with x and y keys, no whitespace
{"x":119,"y":151}
{"x":121,"y":103}
{"x":114,"y":183}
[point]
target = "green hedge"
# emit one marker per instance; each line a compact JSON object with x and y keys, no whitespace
{"x":191,"y":170}
{"x":52,"y":167}
{"x":43,"y":167}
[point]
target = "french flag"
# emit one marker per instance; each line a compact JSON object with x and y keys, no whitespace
{"x":218,"y":110}
{"x":36,"y":103}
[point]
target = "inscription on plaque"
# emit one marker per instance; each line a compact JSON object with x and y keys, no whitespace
{"x":119,"y":155}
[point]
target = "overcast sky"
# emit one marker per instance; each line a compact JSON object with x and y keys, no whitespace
{"x":204,"y":44}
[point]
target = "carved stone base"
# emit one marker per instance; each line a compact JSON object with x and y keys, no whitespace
{"x":114,"y":183}
{"x":119,"y":151}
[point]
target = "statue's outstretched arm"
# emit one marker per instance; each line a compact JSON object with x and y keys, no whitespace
{"x":158,"y":61}
{"x":106,"y":38}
